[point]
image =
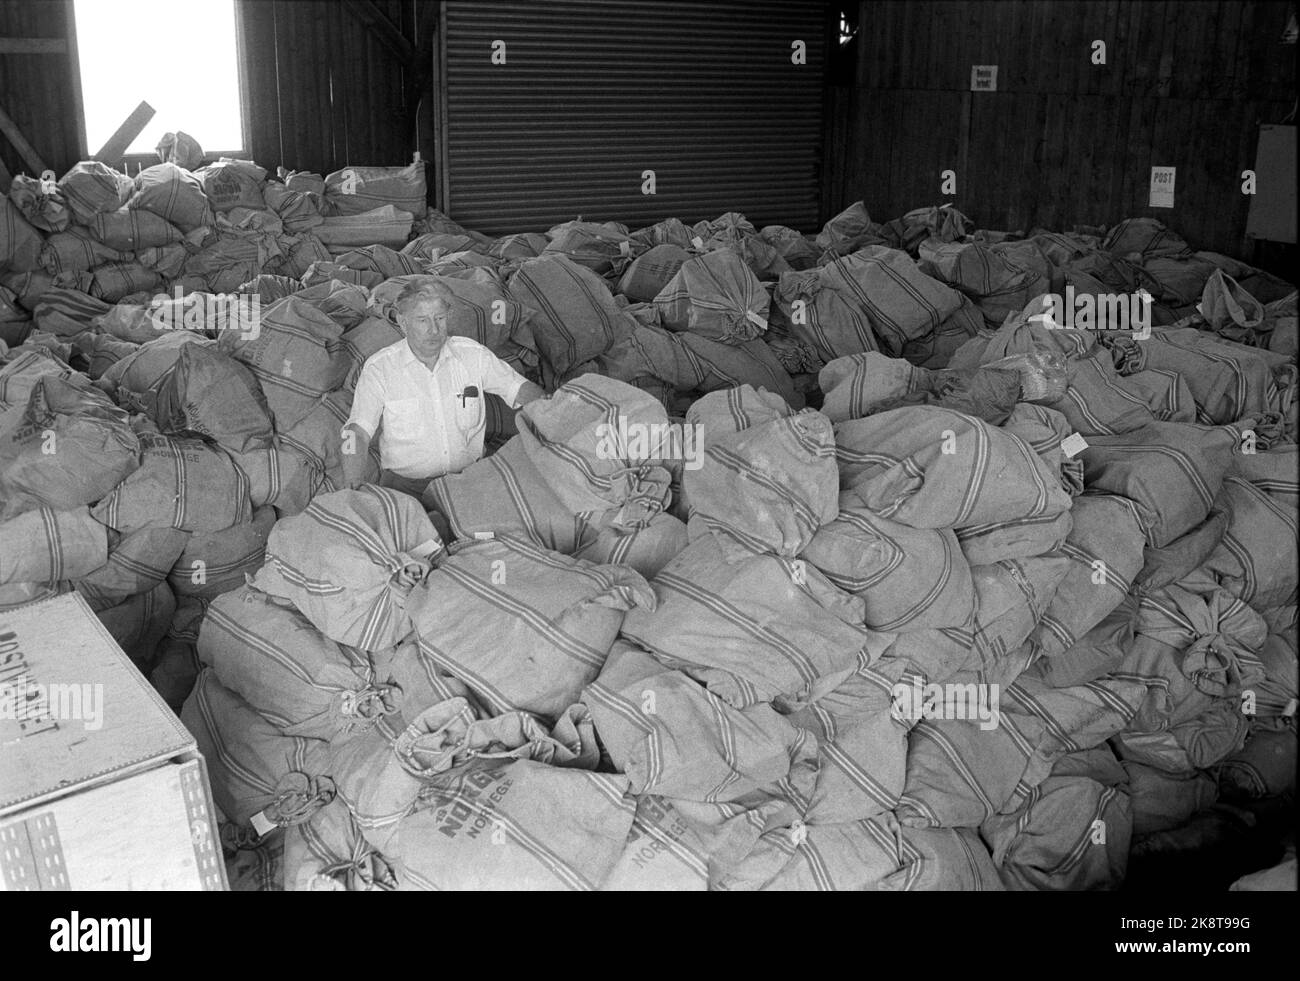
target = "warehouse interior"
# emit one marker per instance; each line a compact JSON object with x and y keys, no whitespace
{"x":682,"y":446}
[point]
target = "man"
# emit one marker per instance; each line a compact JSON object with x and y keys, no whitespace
{"x":428,"y":392}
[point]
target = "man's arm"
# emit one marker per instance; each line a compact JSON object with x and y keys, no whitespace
{"x":356,"y":450}
{"x":502,"y":380}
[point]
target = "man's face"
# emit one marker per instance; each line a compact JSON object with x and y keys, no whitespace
{"x":425,"y":323}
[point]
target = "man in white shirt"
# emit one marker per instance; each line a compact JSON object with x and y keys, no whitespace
{"x":428,"y":392}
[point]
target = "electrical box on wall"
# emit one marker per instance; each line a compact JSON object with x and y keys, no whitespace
{"x":1273,"y":205}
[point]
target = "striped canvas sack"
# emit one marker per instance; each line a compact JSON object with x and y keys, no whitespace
{"x":67,"y":446}
{"x":92,"y":188}
{"x":41,"y":204}
{"x":1171,"y":472}
{"x":523,"y":627}
{"x":1256,"y":558}
{"x":505,"y":494}
{"x":767,"y":488}
{"x":282,"y":476}
{"x":649,"y":273}
{"x":356,"y":190}
{"x":380,"y":259}
{"x":574,"y":317}
{"x":909,"y":578}
{"x":525,"y":245}
{"x":383,"y":772}
{"x":261,"y":779}
{"x":134,"y":230}
{"x":1020,"y":538}
{"x":753,"y":629}
{"x":518,"y":826}
{"x":997,"y":283}
{"x":75,"y":251}
{"x":327,"y":853}
{"x":116,"y":280}
{"x":350,"y":562}
{"x":20,"y":371}
{"x":670,"y":735}
{"x":859,"y":385}
{"x":298,"y":356}
{"x":576,"y":441}
{"x":903,"y":305}
{"x":601,"y":248}
{"x":68,"y":312}
{"x":185,"y":483}
{"x":177,"y":665}
{"x":1163,"y":801}
{"x":1105,"y":548}
{"x":144,"y":368}
{"x":136,"y":563}
{"x":1051,"y":842}
{"x":716,"y":296}
{"x":272,"y":657}
{"x":824,"y":319}
{"x":172,"y":193}
{"x":861,"y":745}
{"x":960,"y":772}
{"x":857,"y":856}
{"x":218,"y":562}
{"x":683,"y":846}
{"x":1045,"y":430}
{"x":45,"y":545}
{"x":645,"y":550}
{"x":948,"y":859}
{"x":930,"y":467}
{"x":1013,"y":595}
{"x":139,"y":623}
{"x":211,"y":395}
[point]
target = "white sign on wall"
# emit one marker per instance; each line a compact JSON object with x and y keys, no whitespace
{"x":1162,"y":187}
{"x":983,"y":78}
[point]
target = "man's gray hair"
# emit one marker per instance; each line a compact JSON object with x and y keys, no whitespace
{"x":422,"y":289}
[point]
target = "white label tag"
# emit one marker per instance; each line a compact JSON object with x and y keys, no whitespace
{"x":261,"y":824}
{"x":983,"y":78}
{"x":484,"y":536}
{"x":756,"y":319}
{"x":697,"y":242}
{"x":625,"y":247}
{"x":1073,"y":445}
{"x":1162,"y":187}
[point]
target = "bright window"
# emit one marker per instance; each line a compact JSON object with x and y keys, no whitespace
{"x":181,"y":58}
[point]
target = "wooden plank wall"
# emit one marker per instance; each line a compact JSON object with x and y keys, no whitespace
{"x":37,"y":90}
{"x":1062,"y":142}
{"x":324,"y":91}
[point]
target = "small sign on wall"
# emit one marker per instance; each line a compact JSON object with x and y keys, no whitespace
{"x":983,"y":78}
{"x":1162,"y":187}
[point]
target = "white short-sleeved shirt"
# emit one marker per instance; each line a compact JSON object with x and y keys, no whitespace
{"x":432,"y":423}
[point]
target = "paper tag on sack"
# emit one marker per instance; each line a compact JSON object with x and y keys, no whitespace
{"x":484,"y":536}
{"x":625,"y":247}
{"x":698,"y":242}
{"x":262,"y":824}
{"x":756,"y":319}
{"x":1073,"y":445}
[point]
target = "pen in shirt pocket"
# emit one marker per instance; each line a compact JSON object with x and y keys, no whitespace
{"x":470,"y":392}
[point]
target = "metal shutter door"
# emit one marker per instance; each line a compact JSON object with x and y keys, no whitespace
{"x":594,"y":93}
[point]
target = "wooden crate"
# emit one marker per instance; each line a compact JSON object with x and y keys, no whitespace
{"x":101,"y":786}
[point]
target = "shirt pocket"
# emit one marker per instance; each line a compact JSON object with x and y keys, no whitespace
{"x":471,"y":415}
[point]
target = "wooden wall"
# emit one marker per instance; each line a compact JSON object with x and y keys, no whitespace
{"x":37,"y":90}
{"x":1062,"y":141}
{"x":323,"y":89}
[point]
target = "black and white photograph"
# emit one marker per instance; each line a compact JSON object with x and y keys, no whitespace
{"x":649,"y":447}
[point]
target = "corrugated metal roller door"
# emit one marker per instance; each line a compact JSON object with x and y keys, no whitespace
{"x":594,"y":93}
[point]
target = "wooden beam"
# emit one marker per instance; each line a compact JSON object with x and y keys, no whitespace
{"x":25,"y":149}
{"x":74,"y":78}
{"x":387,"y":32}
{"x":33,"y":45}
{"x":112,"y":151}
{"x":6,"y":178}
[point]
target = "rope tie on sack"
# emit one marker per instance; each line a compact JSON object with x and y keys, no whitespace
{"x":298,"y":797}
{"x":367,"y":704}
{"x":428,"y":746}
{"x":410,"y":568}
{"x":237,"y":837}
